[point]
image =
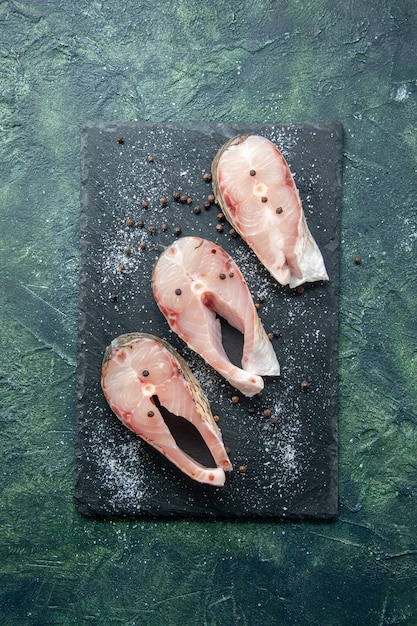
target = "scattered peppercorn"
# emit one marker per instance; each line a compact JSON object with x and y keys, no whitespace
{"x":189,"y":200}
{"x":122,"y":267}
{"x":150,"y":159}
{"x":264,"y":199}
{"x":142,"y":245}
{"x":183,"y":199}
{"x":164,"y":227}
{"x":235,"y":399}
{"x":358,"y":260}
{"x":216,"y":418}
{"x":252,"y":173}
{"x":211,"y":198}
{"x":141,"y":223}
{"x":177,"y":231}
{"x":279,"y":210}
{"x":220,"y":216}
{"x":300,"y":289}
{"x":273,"y":421}
{"x":120,"y":139}
{"x":232,"y":232}
{"x":163,"y":201}
{"x":207,"y":177}
{"x":151,"y":413}
{"x":197,"y":209}
{"x":178,"y":291}
{"x":304,"y":385}
{"x":222,"y":276}
{"x":113,"y":297}
{"x":145,"y":373}
{"x":267,"y":412}
{"x":176,"y":195}
{"x":231,"y":274}
{"x":207,"y":205}
{"x":129,"y":222}
{"x":257,"y":305}
{"x":271,"y":336}
{"x":128,"y":250}
{"x":220,"y":228}
{"x":152,"y":230}
{"x":242,"y":469}
{"x":145,"y":204}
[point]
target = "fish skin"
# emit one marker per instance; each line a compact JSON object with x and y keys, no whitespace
{"x":195,"y":266}
{"x":130,"y":395}
{"x":276,"y":228}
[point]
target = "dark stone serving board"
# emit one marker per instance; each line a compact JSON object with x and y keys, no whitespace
{"x":291,"y":460}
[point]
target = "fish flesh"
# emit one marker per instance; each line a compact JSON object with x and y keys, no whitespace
{"x":194,"y":283}
{"x":253,"y":185}
{"x":142,"y":377}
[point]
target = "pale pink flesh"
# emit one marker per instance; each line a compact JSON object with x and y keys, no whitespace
{"x":130,"y":395}
{"x":265,"y":208}
{"x":192,"y":281}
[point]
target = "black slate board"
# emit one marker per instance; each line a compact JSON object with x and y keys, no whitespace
{"x":291,"y":465}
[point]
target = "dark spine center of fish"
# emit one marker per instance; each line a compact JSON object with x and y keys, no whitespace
{"x":279,"y":210}
{"x":222,"y":276}
{"x":145,"y":373}
{"x":252,"y":173}
{"x":178,"y":292}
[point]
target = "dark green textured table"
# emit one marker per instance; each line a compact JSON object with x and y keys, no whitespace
{"x":64,"y":64}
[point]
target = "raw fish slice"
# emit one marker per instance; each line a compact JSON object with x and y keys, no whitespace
{"x":193,"y":280}
{"x":255,"y":189}
{"x":140,"y":375}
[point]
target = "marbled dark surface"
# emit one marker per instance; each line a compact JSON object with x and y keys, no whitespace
{"x":66,"y":64}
